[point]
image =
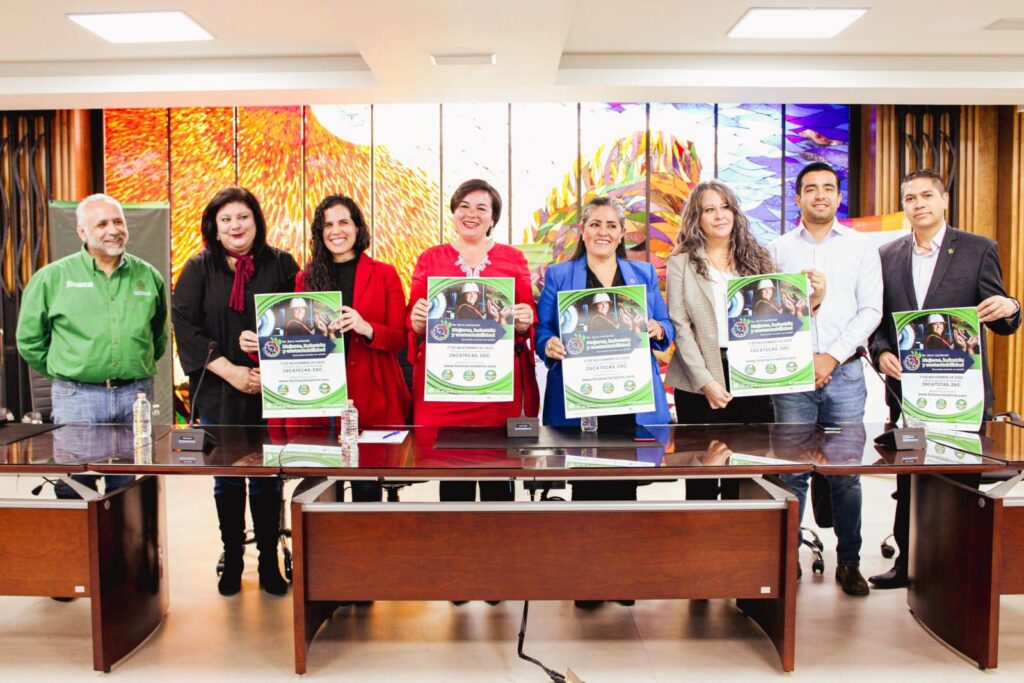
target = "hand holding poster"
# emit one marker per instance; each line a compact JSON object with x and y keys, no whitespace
{"x":770,"y":346}
{"x":302,"y":358}
{"x":470,"y":339}
{"x":607,"y":365}
{"x":940,"y":361}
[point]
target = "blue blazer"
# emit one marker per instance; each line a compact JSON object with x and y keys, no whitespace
{"x":573,"y":275}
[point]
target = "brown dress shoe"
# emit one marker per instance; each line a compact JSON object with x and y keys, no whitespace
{"x":850,"y":578}
{"x":894,"y":578}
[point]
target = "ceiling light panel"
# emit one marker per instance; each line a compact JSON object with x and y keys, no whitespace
{"x":142,"y":27}
{"x":794,"y":23}
{"x":480,"y":59}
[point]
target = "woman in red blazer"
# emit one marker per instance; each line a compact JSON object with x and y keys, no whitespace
{"x":372,"y":319}
{"x":372,"y":313}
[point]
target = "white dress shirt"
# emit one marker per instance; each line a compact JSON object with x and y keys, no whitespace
{"x":719,"y":281}
{"x":852,"y":307}
{"x":923,"y":264}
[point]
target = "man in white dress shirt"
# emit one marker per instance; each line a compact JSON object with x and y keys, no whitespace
{"x":849,"y":313}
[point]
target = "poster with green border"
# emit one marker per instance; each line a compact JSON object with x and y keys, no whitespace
{"x":607,"y":365}
{"x":470,"y":354}
{"x":302,"y":354}
{"x":941,"y":366}
{"x":770,"y":347}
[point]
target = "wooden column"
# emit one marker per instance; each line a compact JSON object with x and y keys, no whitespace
{"x":879,"y":161}
{"x":978,"y":171}
{"x":72,"y":156}
{"x":1007,"y":358}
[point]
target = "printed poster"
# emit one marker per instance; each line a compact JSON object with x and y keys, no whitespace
{"x":607,"y":365}
{"x":470,"y":353}
{"x":941,"y":364}
{"x":302,"y":355}
{"x":770,"y":346}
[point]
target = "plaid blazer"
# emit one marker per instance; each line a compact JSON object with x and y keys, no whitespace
{"x":697,"y":359}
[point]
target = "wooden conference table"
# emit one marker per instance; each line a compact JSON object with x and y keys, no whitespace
{"x":111,"y":548}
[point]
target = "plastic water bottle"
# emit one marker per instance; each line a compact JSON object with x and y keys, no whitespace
{"x":143,"y":450}
{"x":349,"y":431}
{"x":588,"y":424}
{"x":142,"y":416}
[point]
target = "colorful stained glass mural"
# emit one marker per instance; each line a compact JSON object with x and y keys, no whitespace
{"x":135,"y":153}
{"x":816,"y":132}
{"x":682,"y":153}
{"x":475,"y":146}
{"x":749,"y":160}
{"x":544,"y":197}
{"x":406,"y":182}
{"x":338,"y":156}
{"x":269,"y":142}
{"x":203,"y":148}
{"x":613,"y":161}
{"x":541,"y":156}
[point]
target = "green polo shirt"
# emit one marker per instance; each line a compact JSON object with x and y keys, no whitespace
{"x":77,"y":324}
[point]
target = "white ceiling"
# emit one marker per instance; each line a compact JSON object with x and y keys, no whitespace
{"x":337,"y":51}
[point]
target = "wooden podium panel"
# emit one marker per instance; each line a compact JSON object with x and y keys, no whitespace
{"x":110,"y":549}
{"x":967,"y":549}
{"x":744,"y":549}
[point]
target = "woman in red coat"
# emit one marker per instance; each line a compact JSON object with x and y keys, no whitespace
{"x":372,"y":319}
{"x":476,"y":207}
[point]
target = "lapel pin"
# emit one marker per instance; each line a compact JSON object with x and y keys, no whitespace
{"x":950,"y":251}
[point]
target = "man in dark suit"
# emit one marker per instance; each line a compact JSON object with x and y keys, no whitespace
{"x":936,"y":266}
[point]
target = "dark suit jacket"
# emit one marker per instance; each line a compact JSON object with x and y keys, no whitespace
{"x":967,"y":273}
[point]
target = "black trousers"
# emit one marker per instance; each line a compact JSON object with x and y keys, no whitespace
{"x":693,"y":408}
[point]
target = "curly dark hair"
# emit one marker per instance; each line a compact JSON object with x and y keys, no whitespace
{"x":316,"y":276}
{"x":748,"y":257}
{"x":208,"y":225}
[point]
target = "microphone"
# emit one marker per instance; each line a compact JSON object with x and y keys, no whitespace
{"x":901,"y":437}
{"x":193,"y":438}
{"x":524,"y":425}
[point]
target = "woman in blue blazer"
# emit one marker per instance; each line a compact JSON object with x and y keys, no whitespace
{"x":600,"y":261}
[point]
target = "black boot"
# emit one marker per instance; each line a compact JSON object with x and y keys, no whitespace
{"x":231,"y":515}
{"x":266,"y":522}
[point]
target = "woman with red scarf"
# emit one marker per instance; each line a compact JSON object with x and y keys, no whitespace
{"x":212,"y":304}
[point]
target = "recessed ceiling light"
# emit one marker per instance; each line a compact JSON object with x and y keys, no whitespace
{"x":488,"y":59}
{"x":142,"y":27}
{"x":762,"y":22}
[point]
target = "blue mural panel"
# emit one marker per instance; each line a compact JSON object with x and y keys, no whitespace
{"x":750,"y":162}
{"x":816,"y":132}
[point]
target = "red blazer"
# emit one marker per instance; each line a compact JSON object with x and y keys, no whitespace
{"x":375,"y":380}
{"x":503,"y":261}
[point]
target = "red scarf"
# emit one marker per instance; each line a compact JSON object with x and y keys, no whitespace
{"x":244,"y":269}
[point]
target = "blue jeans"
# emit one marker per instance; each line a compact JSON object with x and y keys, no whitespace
{"x":77,"y":403}
{"x":841,"y":400}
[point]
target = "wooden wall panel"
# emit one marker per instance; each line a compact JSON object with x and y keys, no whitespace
{"x":1007,"y":358}
{"x":879,"y":161}
{"x":978,"y":171}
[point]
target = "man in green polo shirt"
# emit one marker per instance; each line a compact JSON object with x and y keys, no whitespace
{"x":95,"y":322}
